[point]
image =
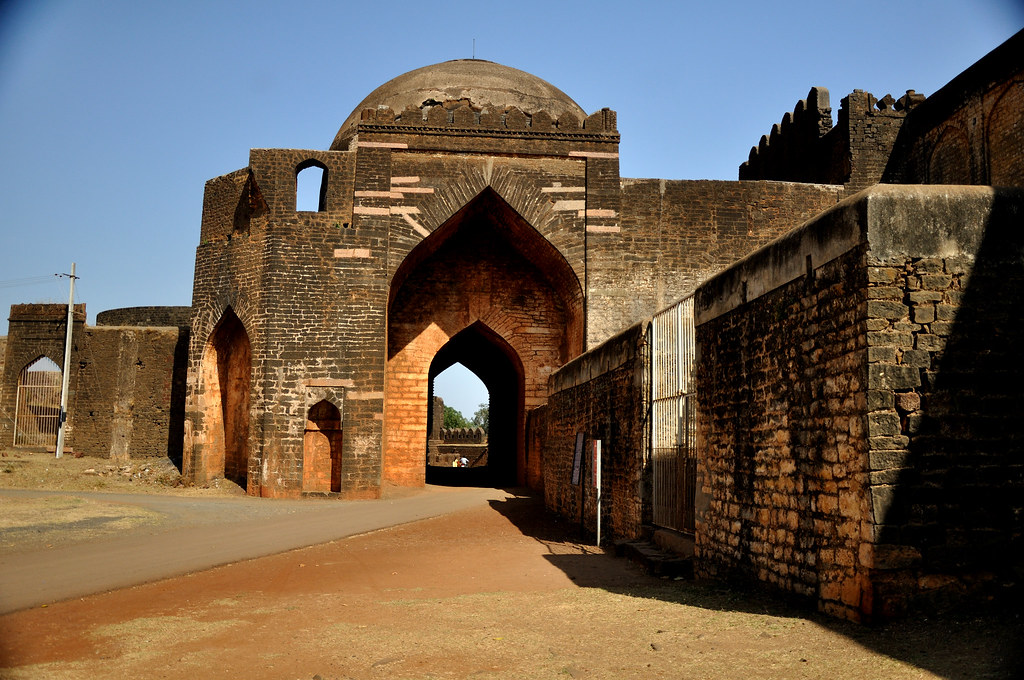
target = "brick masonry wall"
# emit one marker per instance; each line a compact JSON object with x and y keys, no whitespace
{"x":601,"y":394}
{"x":782,"y":435}
{"x":972,"y":130}
{"x":130,"y":397}
{"x":179,"y":317}
{"x":126,"y":391}
{"x":676,"y":234}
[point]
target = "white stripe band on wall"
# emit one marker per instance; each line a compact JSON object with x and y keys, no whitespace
{"x":382,"y":145}
{"x":352,"y":252}
{"x":593,"y":154}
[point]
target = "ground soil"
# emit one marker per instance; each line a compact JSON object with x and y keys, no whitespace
{"x":497,"y":591}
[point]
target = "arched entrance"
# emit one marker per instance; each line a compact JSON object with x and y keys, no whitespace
{"x":226,"y":376}
{"x":484,"y":289}
{"x":493,"y":360}
{"x":37,"y":404}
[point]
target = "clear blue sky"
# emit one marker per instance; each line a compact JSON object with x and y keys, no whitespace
{"x":114,"y":114}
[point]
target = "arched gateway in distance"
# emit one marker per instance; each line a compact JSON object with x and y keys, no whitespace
{"x":462,"y":208}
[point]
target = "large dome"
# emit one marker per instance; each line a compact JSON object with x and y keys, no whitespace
{"x":483,"y":83}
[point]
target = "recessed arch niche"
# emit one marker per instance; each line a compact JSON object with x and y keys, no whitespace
{"x":488,"y":272}
{"x":226,"y":379}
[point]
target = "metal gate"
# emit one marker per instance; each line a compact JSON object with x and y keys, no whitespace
{"x":673,"y":422}
{"x":37,"y":407}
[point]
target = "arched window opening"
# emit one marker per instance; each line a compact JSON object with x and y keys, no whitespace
{"x":37,"y":409}
{"x":311,"y":187}
{"x":321,"y":449}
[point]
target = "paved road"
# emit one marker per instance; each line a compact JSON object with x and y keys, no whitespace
{"x":201,"y":533}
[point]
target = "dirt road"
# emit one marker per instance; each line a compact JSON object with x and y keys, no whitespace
{"x":492,"y":591}
{"x":56,"y":557}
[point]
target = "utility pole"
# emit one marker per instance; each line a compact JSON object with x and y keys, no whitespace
{"x":66,"y":368}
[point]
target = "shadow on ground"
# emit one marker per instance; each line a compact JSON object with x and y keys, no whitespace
{"x":961,"y":645}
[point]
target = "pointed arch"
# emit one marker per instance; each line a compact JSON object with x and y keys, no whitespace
{"x":496,"y":363}
{"x":488,"y":269}
{"x":226,"y":375}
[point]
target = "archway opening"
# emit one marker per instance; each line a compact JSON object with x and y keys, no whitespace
{"x":321,"y":449}
{"x":37,"y":404}
{"x":488,"y":357}
{"x":490,"y":274}
{"x":226,"y":373}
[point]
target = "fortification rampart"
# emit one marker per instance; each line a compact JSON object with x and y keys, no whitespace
{"x":179,"y":317}
{"x":805,"y":147}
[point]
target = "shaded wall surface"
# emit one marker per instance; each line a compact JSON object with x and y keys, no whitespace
{"x":857,"y":387}
{"x":602,"y":396}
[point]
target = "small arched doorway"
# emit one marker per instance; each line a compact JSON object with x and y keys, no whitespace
{"x":226,"y":378}
{"x":321,"y":449}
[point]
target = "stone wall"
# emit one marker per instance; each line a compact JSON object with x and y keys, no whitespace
{"x":177,"y":317}
{"x":857,"y":384}
{"x":34,"y":331}
{"x":603,"y":395}
{"x":781,"y":436}
{"x":126,"y":389}
{"x":946,"y":298}
{"x":676,"y":234}
{"x":972,"y":130}
{"x":130,"y":398}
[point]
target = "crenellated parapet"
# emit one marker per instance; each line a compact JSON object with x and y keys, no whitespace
{"x":805,"y":147}
{"x":463,"y":114}
{"x":463,"y":435}
{"x":782,"y":153}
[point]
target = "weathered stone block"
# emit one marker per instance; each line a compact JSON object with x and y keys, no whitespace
{"x":908,"y":401}
{"x":883,"y":424}
{"x":922,"y":314}
{"x":887,"y":309}
{"x":930,"y":343}
{"x":919,"y":297}
{"x":882,"y":355}
{"x":917,"y":357}
{"x":882,"y":274}
{"x":879,"y":400}
{"x":888,"y":377}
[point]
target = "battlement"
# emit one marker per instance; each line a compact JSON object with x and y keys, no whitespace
{"x":463,"y":435}
{"x":805,"y":147}
{"x":462,"y":114}
{"x":863,"y":102}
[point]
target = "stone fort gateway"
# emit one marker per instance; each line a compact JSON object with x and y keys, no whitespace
{"x":814,"y":372}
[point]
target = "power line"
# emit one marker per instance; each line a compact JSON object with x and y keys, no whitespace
{"x":28,"y":281}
